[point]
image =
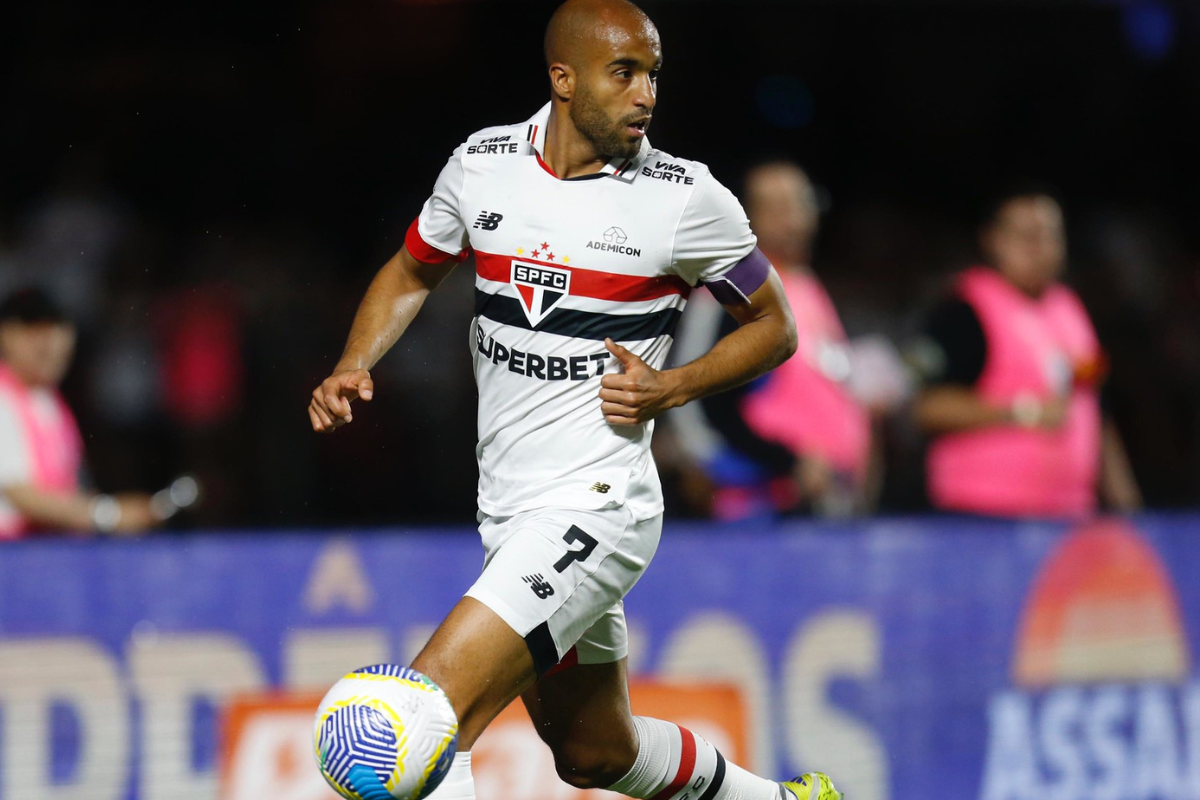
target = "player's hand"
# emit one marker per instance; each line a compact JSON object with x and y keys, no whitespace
{"x":330,"y":405}
{"x":637,"y":395}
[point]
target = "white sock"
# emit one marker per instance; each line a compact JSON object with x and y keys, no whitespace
{"x":458,"y":784}
{"x":675,"y":764}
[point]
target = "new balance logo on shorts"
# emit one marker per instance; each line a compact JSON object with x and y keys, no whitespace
{"x":488,"y":222}
{"x":539,"y":585}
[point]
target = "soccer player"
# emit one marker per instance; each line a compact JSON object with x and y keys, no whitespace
{"x":586,"y":243}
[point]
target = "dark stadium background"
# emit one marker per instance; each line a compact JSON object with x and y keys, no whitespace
{"x":255,"y":162}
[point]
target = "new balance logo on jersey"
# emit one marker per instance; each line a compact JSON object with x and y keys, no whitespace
{"x":602,"y":488}
{"x":540,"y":288}
{"x":489,"y":222}
{"x":539,"y":586}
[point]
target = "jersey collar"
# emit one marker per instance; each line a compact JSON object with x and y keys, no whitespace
{"x":535,"y":137}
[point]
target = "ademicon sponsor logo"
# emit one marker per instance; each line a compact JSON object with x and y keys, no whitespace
{"x":614,"y":242}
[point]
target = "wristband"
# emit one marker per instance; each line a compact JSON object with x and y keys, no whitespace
{"x":106,"y":512}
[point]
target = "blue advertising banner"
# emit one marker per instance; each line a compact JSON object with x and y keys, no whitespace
{"x":913,"y":658}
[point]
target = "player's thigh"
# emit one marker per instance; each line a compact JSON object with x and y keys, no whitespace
{"x":481,"y":664}
{"x":582,"y":713}
{"x":554,"y":573}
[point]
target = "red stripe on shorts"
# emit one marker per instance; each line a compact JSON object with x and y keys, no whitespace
{"x":569,"y":660}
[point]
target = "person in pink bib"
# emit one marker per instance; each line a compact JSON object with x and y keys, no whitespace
{"x":796,"y":440}
{"x":1014,"y":368}
{"x":41,"y":451}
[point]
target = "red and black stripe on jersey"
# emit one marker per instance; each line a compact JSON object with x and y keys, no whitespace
{"x":579,"y":324}
{"x":585,"y":283}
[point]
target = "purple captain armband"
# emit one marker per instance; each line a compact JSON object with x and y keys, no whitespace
{"x":742,"y":280}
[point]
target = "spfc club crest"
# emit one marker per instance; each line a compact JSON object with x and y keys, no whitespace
{"x":541,"y":288}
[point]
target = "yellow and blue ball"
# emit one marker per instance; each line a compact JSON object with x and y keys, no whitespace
{"x":385,"y":732}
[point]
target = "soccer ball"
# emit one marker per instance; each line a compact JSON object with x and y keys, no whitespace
{"x":385,"y":733}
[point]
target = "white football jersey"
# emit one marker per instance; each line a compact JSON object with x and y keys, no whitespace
{"x":560,"y":265}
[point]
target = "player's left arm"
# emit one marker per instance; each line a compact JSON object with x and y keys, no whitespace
{"x":764,"y":339}
{"x":713,"y":245}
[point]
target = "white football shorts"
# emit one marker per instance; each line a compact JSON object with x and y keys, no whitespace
{"x":557,"y":577}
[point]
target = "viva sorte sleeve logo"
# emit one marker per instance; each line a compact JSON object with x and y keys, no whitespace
{"x":540,"y":287}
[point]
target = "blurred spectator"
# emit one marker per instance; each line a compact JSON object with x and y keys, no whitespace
{"x":41,"y":451}
{"x":1013,"y":373}
{"x":71,"y":235}
{"x":796,"y":439}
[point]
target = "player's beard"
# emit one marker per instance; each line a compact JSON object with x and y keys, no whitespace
{"x":608,"y":137}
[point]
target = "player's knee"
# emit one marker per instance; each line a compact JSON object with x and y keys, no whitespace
{"x":594,"y":765}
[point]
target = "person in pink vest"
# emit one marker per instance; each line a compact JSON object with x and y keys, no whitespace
{"x":41,"y":451}
{"x":796,"y":439}
{"x":1012,"y":399}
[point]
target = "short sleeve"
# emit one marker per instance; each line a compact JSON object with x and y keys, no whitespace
{"x":438,"y":234}
{"x":14,"y":465}
{"x":713,"y":234}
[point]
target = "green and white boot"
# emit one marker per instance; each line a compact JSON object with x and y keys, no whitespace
{"x":809,"y":786}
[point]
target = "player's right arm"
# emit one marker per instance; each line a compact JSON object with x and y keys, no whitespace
{"x":391,"y":303}
{"x":435,"y":242}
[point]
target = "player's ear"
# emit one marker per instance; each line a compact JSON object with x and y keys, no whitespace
{"x":562,"y":80}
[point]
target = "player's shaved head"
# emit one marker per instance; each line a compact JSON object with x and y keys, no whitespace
{"x":581,"y":27}
{"x":603,"y":58}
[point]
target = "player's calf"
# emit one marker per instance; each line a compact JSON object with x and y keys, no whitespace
{"x":593,"y":764}
{"x":582,"y":714}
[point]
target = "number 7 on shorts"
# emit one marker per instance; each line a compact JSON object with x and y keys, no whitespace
{"x":575,"y":534}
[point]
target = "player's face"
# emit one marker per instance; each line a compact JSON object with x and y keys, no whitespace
{"x":1027,"y":243}
{"x":38,"y":352}
{"x":616,"y":89}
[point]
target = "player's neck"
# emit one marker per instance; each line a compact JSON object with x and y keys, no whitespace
{"x":566,"y":152}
